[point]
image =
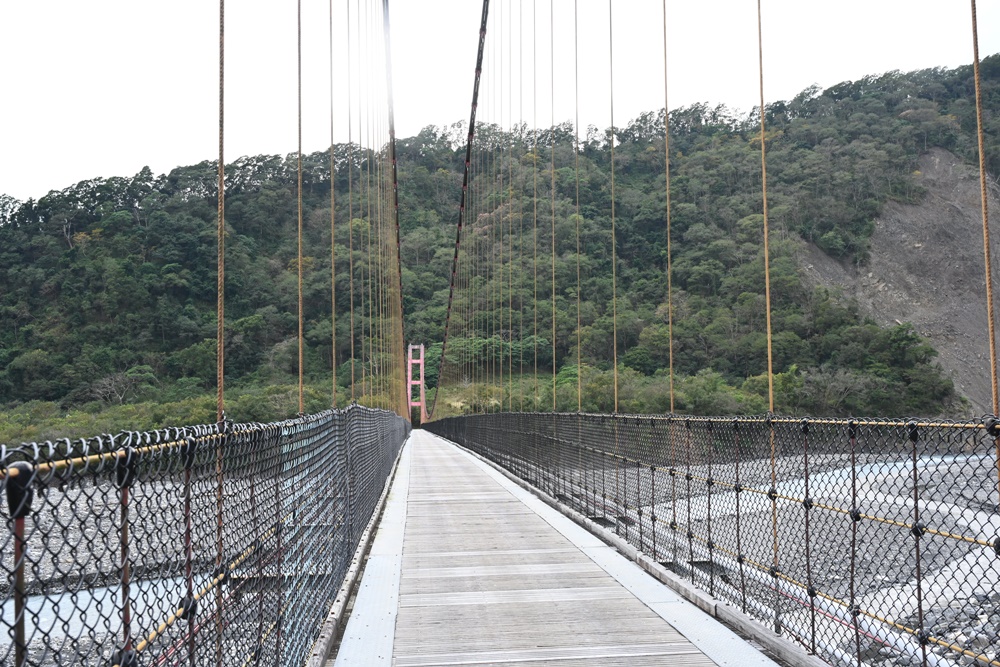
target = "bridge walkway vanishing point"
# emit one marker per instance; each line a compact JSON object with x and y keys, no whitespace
{"x":468,"y":568}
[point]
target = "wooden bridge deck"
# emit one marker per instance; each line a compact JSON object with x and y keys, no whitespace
{"x":470,"y":569}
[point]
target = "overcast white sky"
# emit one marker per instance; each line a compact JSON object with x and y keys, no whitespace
{"x":103,"y":88}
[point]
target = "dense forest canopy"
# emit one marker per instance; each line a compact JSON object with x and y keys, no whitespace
{"x":107,"y":288}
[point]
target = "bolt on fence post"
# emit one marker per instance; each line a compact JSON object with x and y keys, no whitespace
{"x":19,"y":497}
{"x":125,"y":471}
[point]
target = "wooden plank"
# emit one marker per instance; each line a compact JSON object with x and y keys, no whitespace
{"x":487,"y":581}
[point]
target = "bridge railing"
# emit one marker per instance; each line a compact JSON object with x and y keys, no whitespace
{"x":204,"y":545}
{"x":871,"y":542}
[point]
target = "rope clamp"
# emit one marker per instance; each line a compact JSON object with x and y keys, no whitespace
{"x":855,"y":514}
{"x":189,"y":607}
{"x":852,"y":429}
{"x":221,"y":573}
{"x":125,"y":468}
{"x":19,"y":491}
{"x":807,"y":503}
{"x":992,"y":425}
{"x":918,"y":530}
{"x":996,"y":545}
{"x":188,"y":451}
{"x":805,"y":426}
{"x":125,"y":658}
{"x":911,"y":428}
{"x":772,"y":493}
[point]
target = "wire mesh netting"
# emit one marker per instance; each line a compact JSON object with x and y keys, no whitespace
{"x":870,"y":542}
{"x":206,"y":545}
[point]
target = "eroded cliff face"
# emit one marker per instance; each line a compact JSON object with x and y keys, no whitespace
{"x":927,"y":268}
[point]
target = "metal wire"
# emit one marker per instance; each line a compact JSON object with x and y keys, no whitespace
{"x":109,"y":552}
{"x":889,"y":529}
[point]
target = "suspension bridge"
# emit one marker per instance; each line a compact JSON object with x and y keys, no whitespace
{"x":515,"y":527}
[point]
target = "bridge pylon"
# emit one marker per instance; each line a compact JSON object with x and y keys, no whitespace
{"x":415,"y":361}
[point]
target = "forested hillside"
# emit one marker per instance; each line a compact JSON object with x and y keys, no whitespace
{"x":107,"y":288}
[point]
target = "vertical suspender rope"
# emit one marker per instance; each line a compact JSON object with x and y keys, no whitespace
{"x":220,"y":412}
{"x":552,"y":187}
{"x":767,"y":254}
{"x":576,"y":175}
{"x":365,"y":105}
{"x":534,"y":191}
{"x":510,"y":215}
{"x":350,"y":193}
{"x":520,"y":207}
{"x":221,"y":324}
{"x":614,"y":249}
{"x":404,"y":389}
{"x":299,"y":198}
{"x":666,"y":153}
{"x":461,"y":209}
{"x":986,"y":232}
{"x":986,"y":220}
{"x":767,"y":305}
{"x":333,"y":228}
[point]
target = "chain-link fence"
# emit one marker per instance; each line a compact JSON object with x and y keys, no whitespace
{"x":870,"y":542}
{"x":207,"y":545}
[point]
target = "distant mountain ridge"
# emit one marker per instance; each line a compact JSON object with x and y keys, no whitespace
{"x":116,"y":276}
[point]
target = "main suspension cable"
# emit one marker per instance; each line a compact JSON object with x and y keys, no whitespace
{"x":461,"y":208}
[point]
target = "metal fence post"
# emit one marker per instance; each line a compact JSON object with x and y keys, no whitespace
{"x":19,"y":497}
{"x":125,"y":470}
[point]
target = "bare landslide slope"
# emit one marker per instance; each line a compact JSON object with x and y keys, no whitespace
{"x":927,"y":268}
